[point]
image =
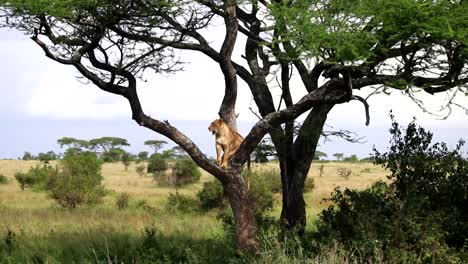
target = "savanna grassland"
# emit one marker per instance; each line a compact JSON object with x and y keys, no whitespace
{"x":33,"y":229}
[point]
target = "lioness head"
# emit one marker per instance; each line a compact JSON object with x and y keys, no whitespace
{"x":215,"y":125}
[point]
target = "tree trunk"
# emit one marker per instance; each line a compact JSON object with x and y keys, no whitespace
{"x":293,"y":213}
{"x":295,"y":165}
{"x":242,"y":208}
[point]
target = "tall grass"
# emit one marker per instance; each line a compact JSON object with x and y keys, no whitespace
{"x":45,"y":233}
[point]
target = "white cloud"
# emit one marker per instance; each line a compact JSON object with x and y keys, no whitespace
{"x":51,"y":90}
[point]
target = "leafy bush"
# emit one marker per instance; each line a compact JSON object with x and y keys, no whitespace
{"x":126,"y":159}
{"x":112,"y":155}
{"x":309,"y":184}
{"x":420,"y":217}
{"x":182,"y":203}
{"x":157,"y":164}
{"x":80,"y":182}
{"x":122,"y":200}
{"x":38,"y":177}
{"x":141,"y":170}
{"x":271,"y":178}
{"x":3,"y":179}
{"x":211,"y":196}
{"x":185,"y":171}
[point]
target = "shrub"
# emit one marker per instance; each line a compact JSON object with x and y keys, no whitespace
{"x":25,"y":180}
{"x":143,"y":155}
{"x":157,"y":164}
{"x":344,"y":172}
{"x":126,"y":159}
{"x":185,"y":171}
{"x":122,"y":200}
{"x":38,"y":177}
{"x":141,"y":170}
{"x":28,"y":156}
{"x":321,"y":168}
{"x":309,"y":184}
{"x":353,"y":158}
{"x":47,"y":157}
{"x":80,"y":182}
{"x":211,"y":196}
{"x":421,"y":216}
{"x":271,"y":178}
{"x":3,"y":179}
{"x":112,"y":155}
{"x":181,"y":203}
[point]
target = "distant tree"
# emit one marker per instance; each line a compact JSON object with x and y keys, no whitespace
{"x":126,"y":159}
{"x":156,"y":145}
{"x":28,"y":156}
{"x":264,"y":150}
{"x":73,"y":144}
{"x":143,"y":155}
{"x":319,"y":154}
{"x":338,"y":156}
{"x":352,"y":158}
{"x":105,"y":144}
{"x":112,"y":155}
{"x":179,"y":152}
{"x":46,"y":157}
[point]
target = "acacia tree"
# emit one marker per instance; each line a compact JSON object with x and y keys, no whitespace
{"x":334,"y":46}
{"x":156,"y":145}
{"x":73,"y":144}
{"x":106,"y":144}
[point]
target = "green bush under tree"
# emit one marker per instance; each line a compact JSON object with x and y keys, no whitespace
{"x":421,"y":216}
{"x":80,"y":181}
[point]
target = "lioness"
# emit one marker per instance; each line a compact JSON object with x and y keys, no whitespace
{"x":227,"y":141}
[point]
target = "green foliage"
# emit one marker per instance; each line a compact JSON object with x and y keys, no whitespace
{"x":270,"y":178}
{"x":264,"y":150}
{"x":319,"y":155}
{"x":27,"y":156}
{"x":143,"y":155}
{"x":46,"y":157}
{"x":348,"y":31}
{"x":185,"y":171}
{"x":79,"y":183}
{"x":38,"y":177}
{"x":113,"y":155}
{"x":73,"y":143}
{"x":141,"y":170}
{"x":309,"y":184}
{"x":3,"y":179}
{"x":419,"y":217}
{"x":353,"y":158}
{"x":338,"y":156}
{"x":182,"y":203}
{"x":122,"y":200}
{"x":157,"y":164}
{"x":211,"y":196}
{"x":126,"y":159}
{"x":156,"y":145}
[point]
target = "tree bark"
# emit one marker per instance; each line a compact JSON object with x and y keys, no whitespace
{"x":295,"y":166}
{"x":242,"y":209}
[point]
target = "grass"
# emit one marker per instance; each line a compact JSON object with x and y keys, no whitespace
{"x":42,"y":228}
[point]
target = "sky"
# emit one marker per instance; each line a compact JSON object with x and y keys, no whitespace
{"x":43,"y":101}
